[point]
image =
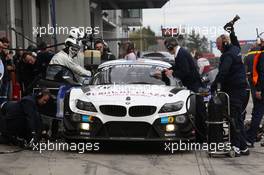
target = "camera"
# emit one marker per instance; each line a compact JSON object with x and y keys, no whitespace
{"x":230,"y":25}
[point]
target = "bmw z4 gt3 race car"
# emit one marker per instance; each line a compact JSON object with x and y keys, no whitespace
{"x":127,"y":100}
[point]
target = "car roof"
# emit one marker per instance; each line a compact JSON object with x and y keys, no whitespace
{"x":138,"y":61}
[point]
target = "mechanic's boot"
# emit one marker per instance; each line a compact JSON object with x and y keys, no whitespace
{"x":4,"y":140}
{"x":244,"y":152}
{"x":237,"y":151}
{"x":250,"y":144}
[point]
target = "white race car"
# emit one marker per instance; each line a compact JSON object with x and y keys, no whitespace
{"x":128,"y":100}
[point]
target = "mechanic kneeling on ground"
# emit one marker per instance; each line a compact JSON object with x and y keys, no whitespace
{"x":232,"y":78}
{"x":186,"y":71}
{"x":22,"y":119}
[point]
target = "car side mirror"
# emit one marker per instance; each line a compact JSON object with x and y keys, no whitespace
{"x":69,"y":80}
{"x":87,"y":81}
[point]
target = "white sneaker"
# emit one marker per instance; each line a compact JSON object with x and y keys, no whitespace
{"x":236,"y":150}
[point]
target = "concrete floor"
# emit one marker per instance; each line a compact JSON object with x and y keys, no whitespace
{"x":129,"y":162}
{"x":129,"y":159}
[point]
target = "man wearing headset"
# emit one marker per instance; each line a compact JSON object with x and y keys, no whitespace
{"x":21,"y":118}
{"x":102,"y":46}
{"x":185,"y":69}
{"x":231,"y":78}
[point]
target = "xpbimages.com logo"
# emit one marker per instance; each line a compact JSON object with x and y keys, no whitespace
{"x":209,"y":31}
{"x":191,"y":146}
{"x":62,"y":30}
{"x":62,"y":146}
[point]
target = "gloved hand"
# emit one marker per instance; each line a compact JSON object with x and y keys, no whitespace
{"x":229,"y":27}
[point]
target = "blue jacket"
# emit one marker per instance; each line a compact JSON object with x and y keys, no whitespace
{"x":232,"y":73}
{"x":186,"y":71}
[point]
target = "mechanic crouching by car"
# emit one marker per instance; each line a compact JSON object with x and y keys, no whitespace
{"x":65,"y":57}
{"x":186,"y":71}
{"x":232,"y":80}
{"x":21,"y":119}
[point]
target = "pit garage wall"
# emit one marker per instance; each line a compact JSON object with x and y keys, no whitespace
{"x":22,"y":15}
{"x":11,"y":16}
{"x":7,"y":20}
{"x":112,"y":28}
{"x":72,"y":13}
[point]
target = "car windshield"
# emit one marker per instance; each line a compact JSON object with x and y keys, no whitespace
{"x":129,"y":74}
{"x":158,"y":54}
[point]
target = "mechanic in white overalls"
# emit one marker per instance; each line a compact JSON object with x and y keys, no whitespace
{"x":65,"y":56}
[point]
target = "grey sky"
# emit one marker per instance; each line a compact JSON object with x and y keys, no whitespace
{"x":209,"y":13}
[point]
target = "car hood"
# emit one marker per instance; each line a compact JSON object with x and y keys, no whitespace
{"x":130,"y":95}
{"x":130,"y":92}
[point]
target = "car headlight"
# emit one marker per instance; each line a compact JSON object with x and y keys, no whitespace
{"x":171,"y":107}
{"x":86,"y":106}
{"x":85,"y":126}
{"x":170,"y":127}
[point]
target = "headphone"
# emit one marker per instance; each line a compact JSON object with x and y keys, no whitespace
{"x":42,"y":92}
{"x":259,"y":39}
{"x":170,"y":43}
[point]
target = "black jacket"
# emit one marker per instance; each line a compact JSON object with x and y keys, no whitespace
{"x":232,"y":73}
{"x":260,"y":69}
{"x":26,"y":109}
{"x":248,"y":61}
{"x":107,"y":56}
{"x":26,"y":73}
{"x":29,"y":73}
{"x":43,"y":60}
{"x":234,"y":39}
{"x":186,"y":71}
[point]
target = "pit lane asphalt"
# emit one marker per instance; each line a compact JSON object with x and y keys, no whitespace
{"x":135,"y":159}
